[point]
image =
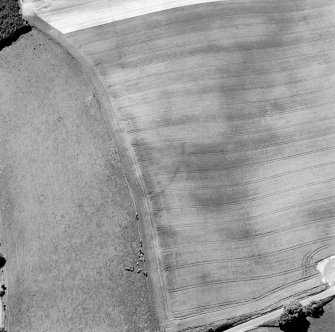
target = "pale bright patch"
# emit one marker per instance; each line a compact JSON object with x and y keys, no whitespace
{"x":327,"y":270}
{"x":68,"y":16}
{"x":27,"y":9}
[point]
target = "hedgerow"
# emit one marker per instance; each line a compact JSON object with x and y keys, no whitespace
{"x":12,"y":25}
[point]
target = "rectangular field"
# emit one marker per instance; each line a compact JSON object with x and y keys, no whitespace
{"x":228,"y":108}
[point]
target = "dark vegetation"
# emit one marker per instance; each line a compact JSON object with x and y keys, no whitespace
{"x":294,"y":316}
{"x":314,"y":309}
{"x":2,"y":291}
{"x":2,"y":261}
{"x":12,"y":25}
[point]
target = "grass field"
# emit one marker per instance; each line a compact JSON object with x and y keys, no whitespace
{"x":227,"y":111}
{"x":68,"y":220}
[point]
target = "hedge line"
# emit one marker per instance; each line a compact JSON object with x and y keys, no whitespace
{"x":12,"y":25}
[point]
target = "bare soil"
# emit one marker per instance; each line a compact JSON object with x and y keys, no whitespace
{"x":68,"y":223}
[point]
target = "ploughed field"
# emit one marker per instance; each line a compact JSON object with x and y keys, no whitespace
{"x":228,"y":108}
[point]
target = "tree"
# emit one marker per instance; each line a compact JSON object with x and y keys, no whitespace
{"x":12,"y":25}
{"x":314,"y":309}
{"x":2,"y":261}
{"x":293,"y":318}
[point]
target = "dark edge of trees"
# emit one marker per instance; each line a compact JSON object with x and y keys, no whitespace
{"x":294,"y":316}
{"x":12,"y":24}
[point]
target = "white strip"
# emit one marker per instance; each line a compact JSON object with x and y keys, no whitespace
{"x":72,"y":15}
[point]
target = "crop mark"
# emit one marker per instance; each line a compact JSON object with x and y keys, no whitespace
{"x":253,"y":199}
{"x":218,"y":261}
{"x":250,"y":237}
{"x":246,"y":117}
{"x":234,"y":280}
{"x":245,"y":133}
{"x":329,"y":148}
{"x":181,"y":314}
{"x":276,"y":211}
{"x":216,"y":91}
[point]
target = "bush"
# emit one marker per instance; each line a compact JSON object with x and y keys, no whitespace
{"x":2,"y":261}
{"x":12,"y":25}
{"x":314,"y":309}
{"x":293,"y":318}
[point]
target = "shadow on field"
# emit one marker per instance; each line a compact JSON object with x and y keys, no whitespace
{"x":14,"y":37}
